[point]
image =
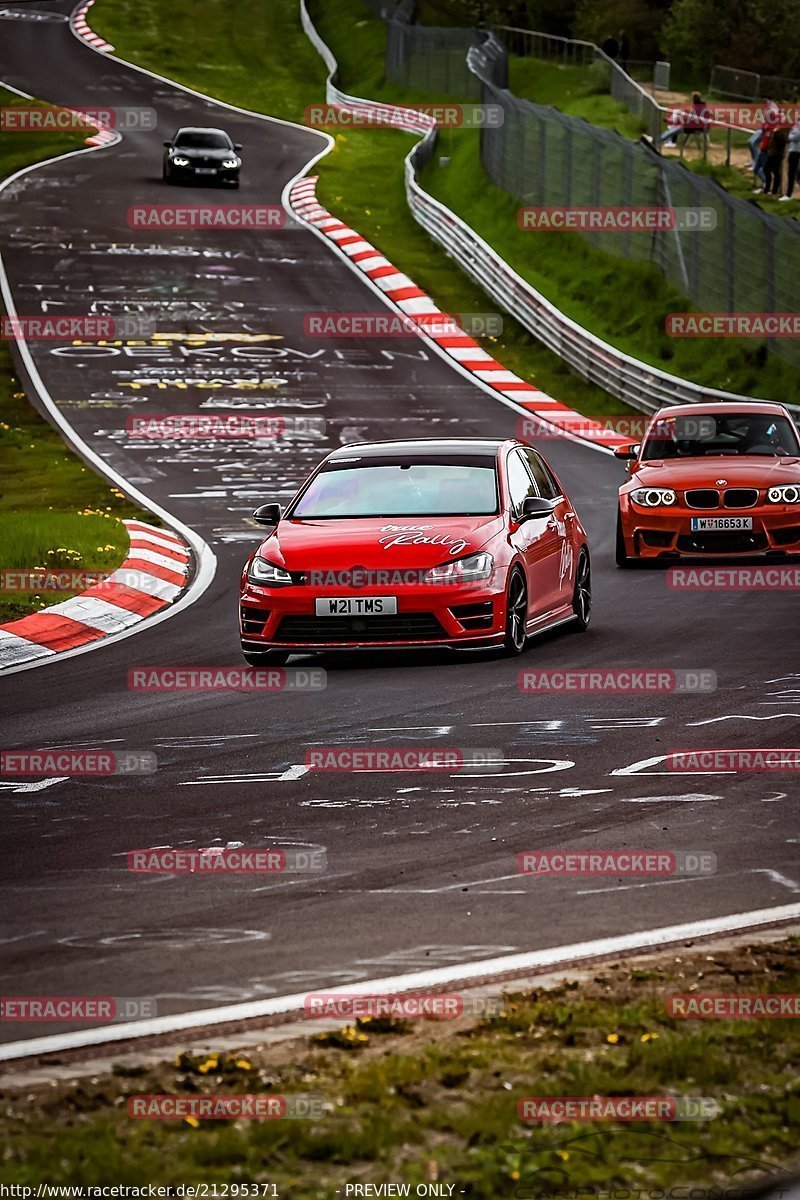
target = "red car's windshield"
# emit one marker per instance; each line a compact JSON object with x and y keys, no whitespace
{"x":755,"y":433}
{"x":421,"y":489}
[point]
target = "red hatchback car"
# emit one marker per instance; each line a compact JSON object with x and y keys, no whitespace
{"x":710,"y":480}
{"x":456,"y":542}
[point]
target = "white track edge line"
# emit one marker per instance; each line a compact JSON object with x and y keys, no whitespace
{"x":436,"y":976}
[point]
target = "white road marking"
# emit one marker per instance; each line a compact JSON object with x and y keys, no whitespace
{"x":530,"y":960}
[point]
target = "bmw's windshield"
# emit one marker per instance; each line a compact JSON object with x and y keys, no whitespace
{"x":709,"y":434}
{"x":400,"y":489}
{"x":203,"y":141}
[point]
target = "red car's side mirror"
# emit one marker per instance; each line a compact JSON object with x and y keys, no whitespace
{"x":628,"y":451}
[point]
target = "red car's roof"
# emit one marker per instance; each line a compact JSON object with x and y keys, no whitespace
{"x":725,"y":406}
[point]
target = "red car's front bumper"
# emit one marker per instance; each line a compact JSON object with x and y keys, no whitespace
{"x":667,"y":531}
{"x":284,"y":618}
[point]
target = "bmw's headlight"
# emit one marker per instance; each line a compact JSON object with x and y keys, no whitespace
{"x":461,"y":570}
{"x":653,"y":497}
{"x":179,"y":161}
{"x":230,"y":162}
{"x":266,"y":574}
{"x":785,"y":493}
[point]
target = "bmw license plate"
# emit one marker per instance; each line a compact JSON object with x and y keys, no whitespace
{"x":205,"y":170}
{"x":720,"y":524}
{"x":356,"y":606}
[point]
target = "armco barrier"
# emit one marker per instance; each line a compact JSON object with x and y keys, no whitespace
{"x":638,"y":384}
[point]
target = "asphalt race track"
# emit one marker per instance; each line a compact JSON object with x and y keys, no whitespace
{"x":421,"y":868}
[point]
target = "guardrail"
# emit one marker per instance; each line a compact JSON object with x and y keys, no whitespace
{"x":638,"y":384}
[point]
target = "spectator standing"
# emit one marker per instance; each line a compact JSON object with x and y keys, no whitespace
{"x":624,"y":50}
{"x":792,"y":154}
{"x":772,"y":116}
{"x":610,"y":46}
{"x":773,"y":168}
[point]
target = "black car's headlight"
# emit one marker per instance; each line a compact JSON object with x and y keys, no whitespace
{"x":461,"y":570}
{"x":652,"y":497}
{"x":230,"y":163}
{"x":784,"y":493}
{"x":179,"y":161}
{"x":266,"y":574}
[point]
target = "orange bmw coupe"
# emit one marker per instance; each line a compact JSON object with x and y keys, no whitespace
{"x":712,"y":480}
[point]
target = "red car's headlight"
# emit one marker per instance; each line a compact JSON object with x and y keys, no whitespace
{"x":461,"y":570}
{"x":266,"y":574}
{"x":784,"y":493}
{"x":654,"y":496}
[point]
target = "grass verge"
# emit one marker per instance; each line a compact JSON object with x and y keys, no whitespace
{"x":55,"y":513}
{"x":437,"y":1101}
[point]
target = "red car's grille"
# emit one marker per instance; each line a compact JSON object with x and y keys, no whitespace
{"x":702,"y":498}
{"x":722,"y":543}
{"x":254,"y":619}
{"x":407,"y":626}
{"x":740,"y":497}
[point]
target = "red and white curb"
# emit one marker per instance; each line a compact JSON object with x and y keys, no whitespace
{"x":152,"y":576}
{"x":104,"y":135}
{"x":457,"y":345}
{"x":81,"y":28}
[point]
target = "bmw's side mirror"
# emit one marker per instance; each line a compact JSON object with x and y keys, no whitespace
{"x":268,"y":514}
{"x":167,"y":143}
{"x":237,"y":145}
{"x":537,"y":506}
{"x":628,"y":451}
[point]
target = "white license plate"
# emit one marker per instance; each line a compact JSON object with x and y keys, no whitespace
{"x":356,"y":606}
{"x":720,"y":524}
{"x":205,"y":170}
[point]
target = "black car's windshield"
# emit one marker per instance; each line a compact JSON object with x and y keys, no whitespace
{"x":709,"y":434}
{"x":200,"y":140}
{"x":400,"y":489}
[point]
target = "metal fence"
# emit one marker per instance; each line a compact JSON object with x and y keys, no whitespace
{"x":748,"y":263}
{"x":748,"y":85}
{"x":528,"y":43}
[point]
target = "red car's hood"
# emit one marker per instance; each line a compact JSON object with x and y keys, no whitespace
{"x":377,"y":542}
{"x":685,"y":473}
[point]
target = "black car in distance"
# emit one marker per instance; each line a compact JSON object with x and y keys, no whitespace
{"x":202,"y":155}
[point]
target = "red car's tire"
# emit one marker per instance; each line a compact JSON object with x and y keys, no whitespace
{"x":582,"y":594}
{"x":516,"y":615}
{"x":621,"y":554}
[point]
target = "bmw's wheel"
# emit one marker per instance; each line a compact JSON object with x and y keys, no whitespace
{"x":582,"y":595}
{"x":621,"y":553}
{"x":265,"y":658}
{"x":516,"y":615}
